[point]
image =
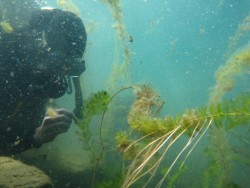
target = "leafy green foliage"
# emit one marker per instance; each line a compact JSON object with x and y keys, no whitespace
{"x":155,"y":130}
{"x":221,"y":158}
{"x":172,"y":179}
{"x":146,"y":128}
{"x":94,"y":105}
{"x":231,"y":112}
{"x":228,"y":113}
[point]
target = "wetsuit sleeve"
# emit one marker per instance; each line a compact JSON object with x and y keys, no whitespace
{"x":18,"y":128}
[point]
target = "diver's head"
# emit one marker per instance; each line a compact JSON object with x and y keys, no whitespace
{"x":62,"y":40}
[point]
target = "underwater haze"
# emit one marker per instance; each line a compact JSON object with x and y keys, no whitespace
{"x":168,"y":69}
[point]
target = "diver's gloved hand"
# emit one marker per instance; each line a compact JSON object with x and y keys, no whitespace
{"x":53,"y":126}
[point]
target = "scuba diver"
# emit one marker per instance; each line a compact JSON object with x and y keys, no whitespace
{"x":37,"y":63}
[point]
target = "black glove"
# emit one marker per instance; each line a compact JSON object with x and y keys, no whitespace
{"x":53,"y":126}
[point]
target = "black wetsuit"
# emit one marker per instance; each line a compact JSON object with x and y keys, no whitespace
{"x":23,"y":94}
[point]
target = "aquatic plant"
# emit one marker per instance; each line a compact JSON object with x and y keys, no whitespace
{"x":242,"y":30}
{"x":119,"y":26}
{"x":146,"y":152}
{"x":237,"y":64}
{"x":157,"y":135}
{"x":220,"y":154}
{"x":96,"y":104}
{"x":120,"y":71}
{"x":173,"y":178}
{"x":149,"y":139}
{"x":93,"y":105}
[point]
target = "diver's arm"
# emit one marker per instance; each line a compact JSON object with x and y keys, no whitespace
{"x":21,"y":134}
{"x":53,"y":126}
{"x":18,"y":124}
